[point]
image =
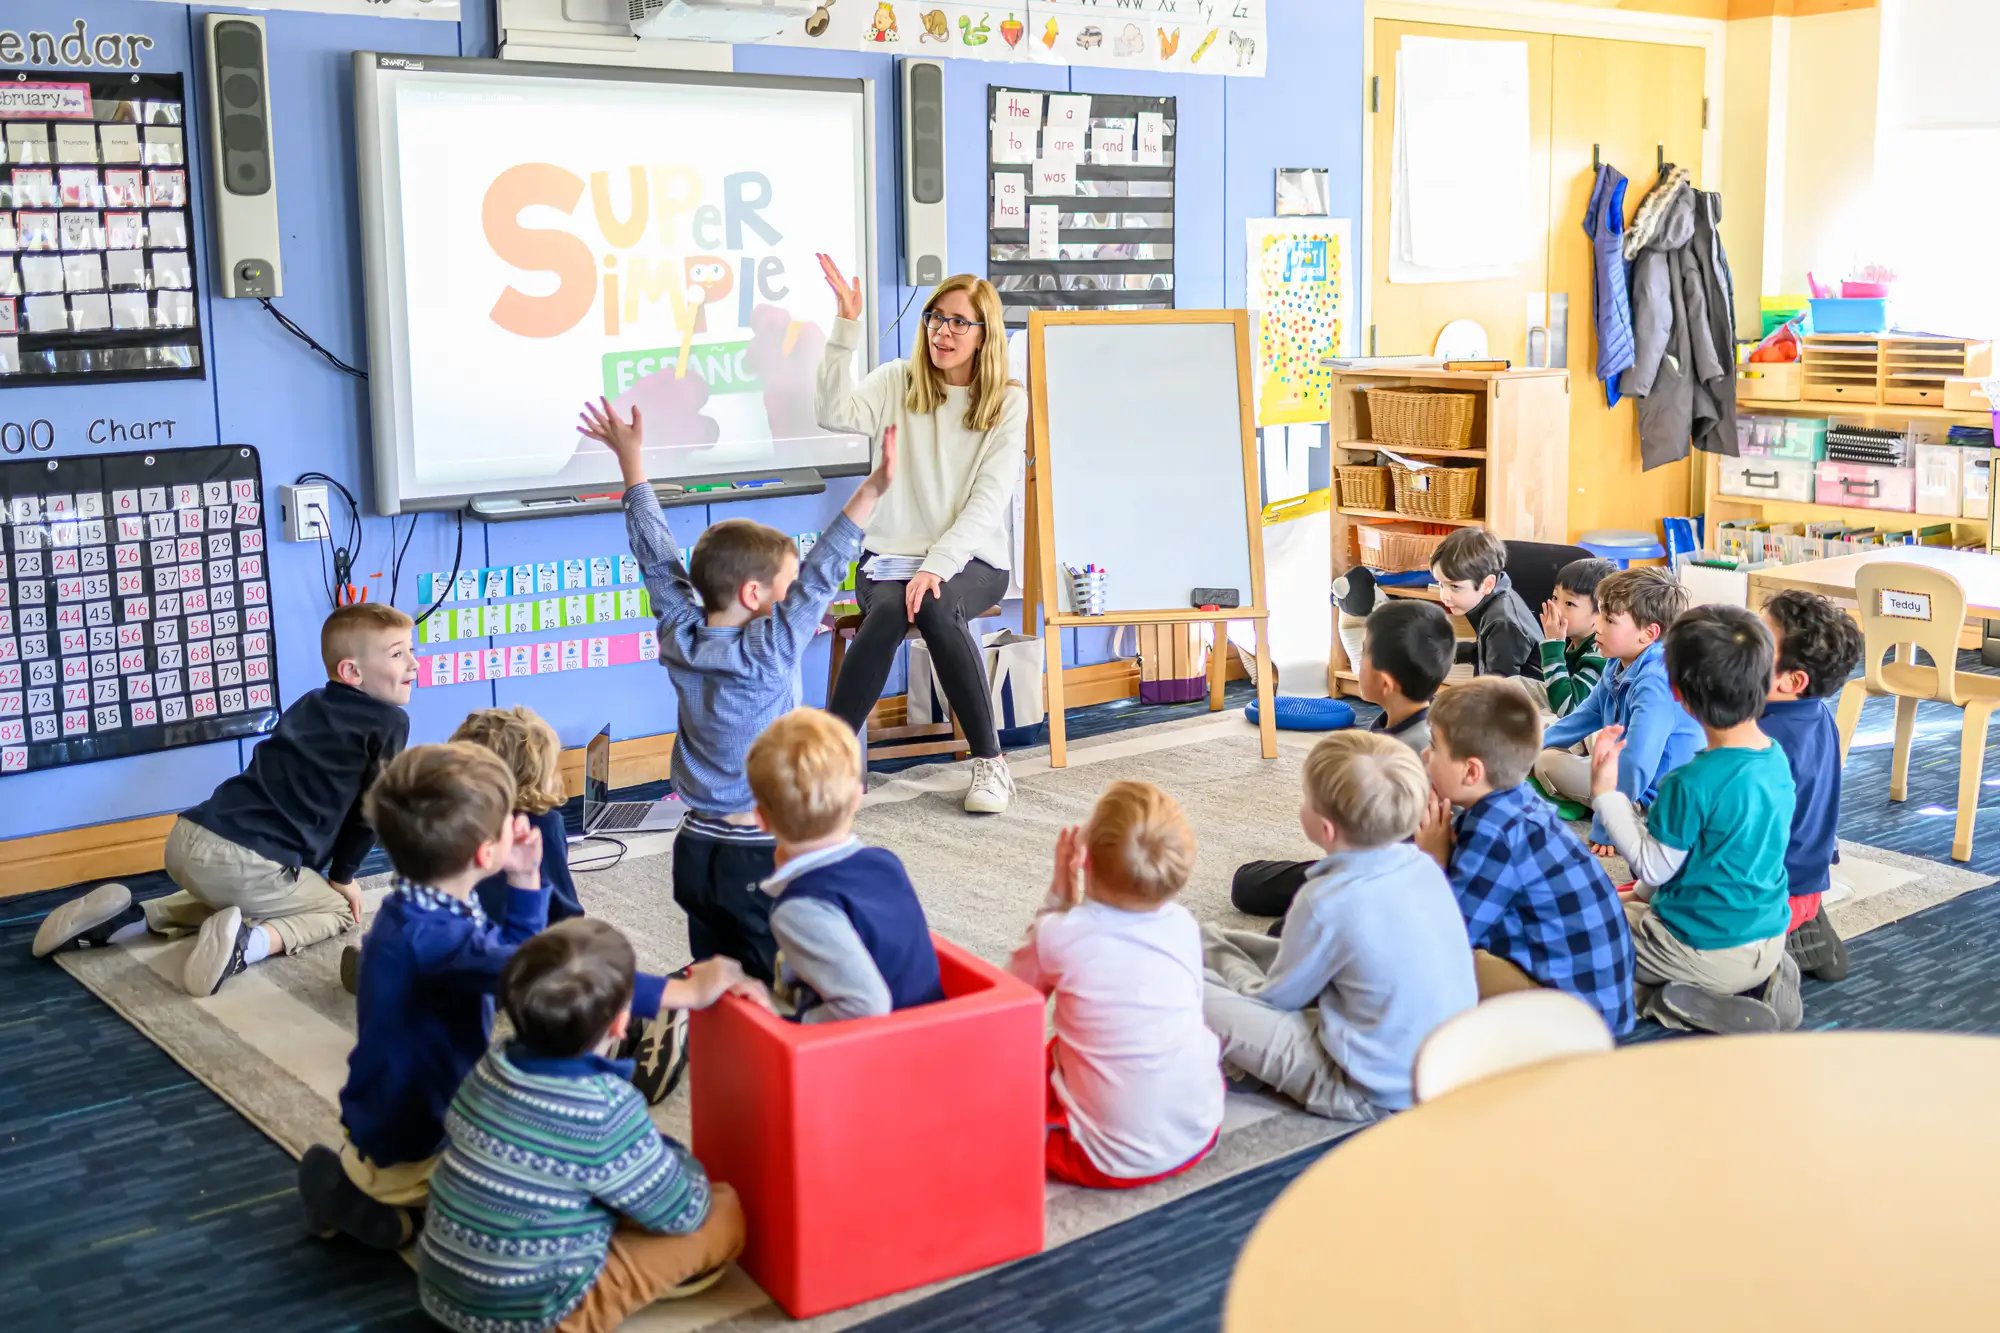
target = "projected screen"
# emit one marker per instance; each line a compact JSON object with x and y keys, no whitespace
{"x":539,"y":235}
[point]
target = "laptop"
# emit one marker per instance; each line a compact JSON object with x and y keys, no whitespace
{"x":603,"y":815}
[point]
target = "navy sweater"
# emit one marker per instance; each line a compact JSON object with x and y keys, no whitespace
{"x":874,"y":891}
{"x":1804,"y":729}
{"x":299,"y":801}
{"x":492,"y":891}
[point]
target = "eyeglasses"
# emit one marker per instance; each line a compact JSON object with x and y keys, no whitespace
{"x":935,"y":320}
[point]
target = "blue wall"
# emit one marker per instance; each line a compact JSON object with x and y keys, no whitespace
{"x":266,"y":389}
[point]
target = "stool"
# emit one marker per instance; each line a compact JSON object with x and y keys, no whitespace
{"x":1621,"y":546}
{"x":910,"y":741}
{"x":878,"y":1154}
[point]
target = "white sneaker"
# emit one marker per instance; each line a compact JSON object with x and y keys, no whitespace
{"x":992,"y":788}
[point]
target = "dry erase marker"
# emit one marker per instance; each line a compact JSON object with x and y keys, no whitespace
{"x":753,"y":485}
{"x":708,"y":487}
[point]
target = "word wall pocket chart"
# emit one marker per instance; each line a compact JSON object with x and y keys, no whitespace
{"x":135,"y":606}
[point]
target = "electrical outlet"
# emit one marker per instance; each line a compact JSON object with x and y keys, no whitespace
{"x":307,"y":511}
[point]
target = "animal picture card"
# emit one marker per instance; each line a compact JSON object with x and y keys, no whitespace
{"x":166,"y":189}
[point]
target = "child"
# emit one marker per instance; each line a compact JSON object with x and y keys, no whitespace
{"x":1470,"y":567}
{"x":1709,"y":914}
{"x":266,"y":865}
{"x":1571,"y":663}
{"x":530,"y":748}
{"x":1634,"y":608}
{"x":1373,"y":954}
{"x":733,"y":629}
{"x":556,"y":1204}
{"x":424,"y":1014}
{"x":852,"y":938}
{"x":1817,"y":646}
{"x":1406,"y":652}
{"x":1539,"y":909}
{"x":1133,"y":1093}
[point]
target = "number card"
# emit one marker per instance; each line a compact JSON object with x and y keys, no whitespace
{"x":93,"y":550}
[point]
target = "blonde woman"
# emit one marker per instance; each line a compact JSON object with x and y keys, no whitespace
{"x":961,"y":428}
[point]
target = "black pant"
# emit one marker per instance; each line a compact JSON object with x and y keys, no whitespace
{"x":715,"y":883}
{"x":961,"y":668}
{"x":1266,"y":888}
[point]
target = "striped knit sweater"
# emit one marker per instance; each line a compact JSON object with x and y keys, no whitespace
{"x":1570,"y":669}
{"x":544,"y":1157}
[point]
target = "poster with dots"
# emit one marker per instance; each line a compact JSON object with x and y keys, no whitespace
{"x":1299,"y":293}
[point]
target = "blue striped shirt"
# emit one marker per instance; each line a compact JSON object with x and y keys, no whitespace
{"x":731,"y":682}
{"x":544,"y":1157}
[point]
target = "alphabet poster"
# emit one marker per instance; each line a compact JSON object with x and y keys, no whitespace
{"x":1298,"y":293}
{"x":97,"y":244}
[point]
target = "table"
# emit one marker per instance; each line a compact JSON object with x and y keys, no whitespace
{"x":1842,"y":1182}
{"x":1976,"y":571}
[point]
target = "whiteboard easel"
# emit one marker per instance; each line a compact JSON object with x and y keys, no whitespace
{"x":1142,"y":446}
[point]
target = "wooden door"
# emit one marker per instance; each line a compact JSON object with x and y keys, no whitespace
{"x":1405,"y":318}
{"x":1635,"y":102}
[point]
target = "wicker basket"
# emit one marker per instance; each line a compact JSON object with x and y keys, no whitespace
{"x":1397,"y":547}
{"x":1363,"y":486}
{"x":1431,"y":418}
{"x":1435,"y":492}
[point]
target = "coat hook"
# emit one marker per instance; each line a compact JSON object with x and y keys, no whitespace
{"x":1659,"y":157}
{"x":1596,"y":162}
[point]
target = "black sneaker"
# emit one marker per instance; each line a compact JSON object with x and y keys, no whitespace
{"x":1817,"y":949}
{"x":350,"y":969}
{"x":218,"y":952}
{"x":86,"y":922}
{"x":1724,"y":1015}
{"x":335,"y":1205}
{"x":659,"y":1055}
{"x":1781,"y":992}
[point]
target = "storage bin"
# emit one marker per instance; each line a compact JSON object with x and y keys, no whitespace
{"x":1363,"y":486}
{"x":1760,"y":437}
{"x":1849,"y":315}
{"x":1769,"y":381}
{"x":1805,"y":439}
{"x":1940,"y":478}
{"x":1865,"y":486}
{"x":1435,"y":492}
{"x":1966,"y":395}
{"x":1422,"y":417}
{"x":1398,"y":547}
{"x":1767,"y":479}
{"x":1975,"y":482}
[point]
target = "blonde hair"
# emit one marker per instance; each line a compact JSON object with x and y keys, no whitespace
{"x":805,"y":771}
{"x":528,"y":745}
{"x":1139,"y":842}
{"x":344,"y":635}
{"x":1494,"y":721}
{"x":1371,"y":787}
{"x":990,"y":378}
{"x":435,"y":806}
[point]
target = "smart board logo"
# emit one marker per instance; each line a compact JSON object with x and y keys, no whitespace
{"x":399,"y":62}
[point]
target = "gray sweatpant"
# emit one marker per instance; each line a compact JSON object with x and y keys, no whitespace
{"x":1279,"y":1048}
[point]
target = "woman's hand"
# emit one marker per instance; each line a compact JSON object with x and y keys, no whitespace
{"x":922,"y":586}
{"x":846,"y":291}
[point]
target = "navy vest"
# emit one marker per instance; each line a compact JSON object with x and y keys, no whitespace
{"x":874,"y":891}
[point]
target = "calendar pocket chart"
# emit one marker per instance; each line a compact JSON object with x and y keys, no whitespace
{"x":135,"y":609}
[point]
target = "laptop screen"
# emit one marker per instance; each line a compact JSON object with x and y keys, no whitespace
{"x":596,"y":774}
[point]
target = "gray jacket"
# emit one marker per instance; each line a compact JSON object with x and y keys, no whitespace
{"x":1678,"y":369}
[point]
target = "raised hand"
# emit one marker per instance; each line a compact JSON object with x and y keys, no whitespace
{"x":524,"y":862}
{"x":1553,"y":624}
{"x":846,"y":291}
{"x":1604,"y":751}
{"x":1066,"y":885}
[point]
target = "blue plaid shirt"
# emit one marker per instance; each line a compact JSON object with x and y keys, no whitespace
{"x":1532,"y":893}
{"x":731,"y":682}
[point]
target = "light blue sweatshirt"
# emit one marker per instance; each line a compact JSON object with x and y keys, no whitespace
{"x":1660,"y":736}
{"x":1375,"y":937}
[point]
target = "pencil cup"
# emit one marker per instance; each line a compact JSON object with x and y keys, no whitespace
{"x":1086,"y":591}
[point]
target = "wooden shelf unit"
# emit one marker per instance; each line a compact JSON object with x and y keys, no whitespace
{"x":1887,"y":369}
{"x":1520,"y":444}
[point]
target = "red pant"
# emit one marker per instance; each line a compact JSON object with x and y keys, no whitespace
{"x":1805,"y":906}
{"x":1067,"y":1161}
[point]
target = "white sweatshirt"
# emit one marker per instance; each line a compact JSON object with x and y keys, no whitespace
{"x":953,"y":486}
{"x":1136,"y":1067}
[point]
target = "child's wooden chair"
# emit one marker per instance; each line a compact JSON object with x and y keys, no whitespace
{"x":1904,"y":608}
{"x":911,"y":740}
{"x":1506,"y":1032}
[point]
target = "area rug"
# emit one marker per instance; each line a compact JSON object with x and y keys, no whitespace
{"x":274,"y":1042}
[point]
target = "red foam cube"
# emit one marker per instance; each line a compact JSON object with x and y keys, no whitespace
{"x":880,"y":1154}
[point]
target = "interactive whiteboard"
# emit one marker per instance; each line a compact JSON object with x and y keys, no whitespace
{"x":536,"y":235}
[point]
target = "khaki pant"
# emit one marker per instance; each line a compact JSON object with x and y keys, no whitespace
{"x":214,"y":873}
{"x":1660,"y":956}
{"x":1281,"y":1049}
{"x":1497,"y":976}
{"x":1565,"y":774}
{"x":641,"y":1267}
{"x":405,"y":1185}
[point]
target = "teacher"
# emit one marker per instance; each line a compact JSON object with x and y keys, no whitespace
{"x":960,"y":426}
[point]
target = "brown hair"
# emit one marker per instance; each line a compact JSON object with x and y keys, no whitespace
{"x":1469,"y":555}
{"x":1371,"y":787}
{"x":563,"y":988}
{"x":1493,"y":720}
{"x":345,"y":634}
{"x":436,"y":805}
{"x":805,"y":771}
{"x":1141,"y":847}
{"x":1649,"y":596}
{"x":529,"y":745}
{"x":732,"y":553}
{"x":990,"y":377}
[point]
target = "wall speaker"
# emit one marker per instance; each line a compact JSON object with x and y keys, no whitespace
{"x":244,"y":202}
{"x":923,"y":173}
